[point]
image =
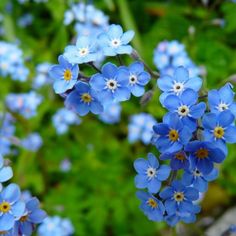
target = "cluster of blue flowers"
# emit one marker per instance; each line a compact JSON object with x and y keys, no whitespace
{"x":12,"y":62}
{"x":168,"y":55}
{"x":140,"y":128}
{"x":193,"y":137}
{"x":24,"y":103}
{"x":63,"y":119}
{"x":111,"y":83}
{"x":56,"y":226}
{"x":89,"y":20}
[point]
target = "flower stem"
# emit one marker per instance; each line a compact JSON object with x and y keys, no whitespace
{"x":94,"y":67}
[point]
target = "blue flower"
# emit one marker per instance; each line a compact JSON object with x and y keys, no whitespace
{"x":11,"y":208}
{"x":114,"y":41}
{"x":180,"y":198}
{"x":32,"y":215}
{"x":185,"y":106}
{"x":83,"y":99}
{"x":5,"y":171}
{"x":150,"y":173}
{"x":222,"y":99}
{"x":111,"y":84}
{"x":111,"y":114}
{"x":56,"y":226}
{"x":64,"y":74}
{"x":172,"y":135}
{"x":141,"y":128}
{"x":84,"y":51}
{"x":32,"y":142}
{"x":179,"y":160}
{"x":219,"y":128}
{"x":151,"y":206}
{"x":178,"y":83}
{"x":194,"y":177}
{"x":203,"y":155}
{"x":137,"y":78}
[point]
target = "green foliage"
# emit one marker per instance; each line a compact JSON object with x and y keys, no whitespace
{"x":98,"y":194}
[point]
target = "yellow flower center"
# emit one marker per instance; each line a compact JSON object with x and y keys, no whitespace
{"x":178,"y":196}
{"x":24,"y":218}
{"x":180,"y":156}
{"x":152,"y":203}
{"x":5,"y":207}
{"x":3,"y":232}
{"x":219,"y":132}
{"x":202,"y":153}
{"x":67,"y":75}
{"x":86,"y":97}
{"x":173,"y":135}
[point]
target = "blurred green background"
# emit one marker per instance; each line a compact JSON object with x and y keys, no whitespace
{"x":98,"y":194}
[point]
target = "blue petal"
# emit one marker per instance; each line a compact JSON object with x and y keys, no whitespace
{"x":97,"y":82}
{"x":122,"y":94}
{"x":212,"y":175}
{"x":154,"y":186}
{"x":226,"y":93}
{"x":191,"y":193}
{"x":5,"y":174}
{"x":163,"y":172}
{"x":109,"y":70}
{"x":124,"y":49}
{"x":141,"y":181}
{"x":141,"y":165}
{"x":205,"y":166}
{"x":198,"y":110}
{"x":189,"y":97}
{"x":165,"y":83}
{"x":226,"y":118}
{"x":209,"y":121}
{"x":96,"y":107}
{"x":127,"y":36}
{"x":143,"y":78}
{"x":37,"y":216}
{"x":172,"y":102}
{"x":137,"y":90}
{"x":115,"y":31}
{"x":6,"y":222}
{"x":194,"y":83}
{"x":153,"y":160}
{"x":166,"y":193}
{"x":181,"y":74}
{"x":230,"y":134}
{"x":136,"y":67}
{"x":18,"y":209}
{"x":11,"y":193}
{"x":217,"y":155}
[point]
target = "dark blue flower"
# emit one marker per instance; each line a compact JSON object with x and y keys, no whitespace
{"x":83,"y":99}
{"x":151,"y":206}
{"x":178,"y":83}
{"x":179,"y":160}
{"x":114,"y":41}
{"x":111,"y":84}
{"x":185,"y":106}
{"x":203,"y":155}
{"x":64,"y":75}
{"x":32,"y":215}
{"x":222,"y":99}
{"x":219,"y":128}
{"x":172,"y":135}
{"x":194,"y":177}
{"x":180,"y":198}
{"x":150,"y":173}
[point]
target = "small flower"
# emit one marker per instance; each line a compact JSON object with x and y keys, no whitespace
{"x":114,"y":41}
{"x":137,"y":78}
{"x":32,"y":215}
{"x":111,"y":84}
{"x":195,"y":178}
{"x":180,"y":198}
{"x":178,"y":83}
{"x":5,"y":171}
{"x":172,"y":135}
{"x":32,"y":142}
{"x":150,"y":173}
{"x":219,"y":128}
{"x":185,"y":106}
{"x":11,"y":208}
{"x":203,"y":155}
{"x":83,"y":99}
{"x":151,"y":206}
{"x":64,"y":74}
{"x":179,"y":160}
{"x":111,"y":113}
{"x":84,"y":51}
{"x":222,"y":99}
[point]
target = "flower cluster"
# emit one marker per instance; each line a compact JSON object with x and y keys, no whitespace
{"x":111,"y":83}
{"x":193,"y":137}
{"x":56,"y":226}
{"x":89,"y":20}
{"x":24,"y":103}
{"x":169,"y":55}
{"x":63,"y":119}
{"x":140,"y":128}
{"x":12,"y":62}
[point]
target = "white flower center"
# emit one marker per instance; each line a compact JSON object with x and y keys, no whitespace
{"x":223,"y":106}
{"x":197,"y":173}
{"x":178,"y":87}
{"x":111,"y":84}
{"x":183,"y":110}
{"x":133,"y":79}
{"x":115,"y":43}
{"x":83,"y":51}
{"x":151,"y":172}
